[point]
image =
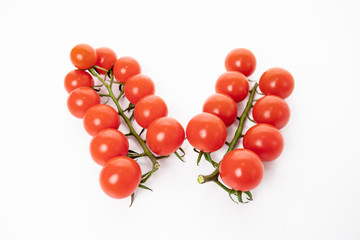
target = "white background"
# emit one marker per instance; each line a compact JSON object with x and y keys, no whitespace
{"x":49,"y":184}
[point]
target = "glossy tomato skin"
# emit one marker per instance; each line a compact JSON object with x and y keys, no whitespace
{"x":126,"y":67}
{"x":83,"y":56}
{"x":241,"y":60}
{"x":222,"y":106}
{"x":164,"y":136}
{"x":241,"y":169}
{"x":206,"y":132}
{"x":120,"y":177}
{"x":77,"y":78}
{"x":81,"y":99}
{"x":264,"y":140}
{"x":272,"y":110}
{"x":105,"y":58}
{"x":233,"y":84}
{"x":100,"y":117}
{"x":137,"y":87}
{"x":107,"y":144}
{"x":277,"y":81}
{"x":149,"y":109}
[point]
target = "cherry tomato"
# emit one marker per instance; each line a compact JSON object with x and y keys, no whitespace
{"x":272,"y":110}
{"x":241,"y":60}
{"x":100,"y":117}
{"x":277,"y":81}
{"x":222,"y":106}
{"x":206,"y":132}
{"x":126,"y":67}
{"x":83,"y":56}
{"x":233,"y":84}
{"x":77,"y":78}
{"x":148,"y":109}
{"x":120,"y":177}
{"x":81,"y":99}
{"x":107,"y":144}
{"x":137,"y":87}
{"x":105,"y":58}
{"x":264,"y":140}
{"x":164,"y":136}
{"x":241,"y":169}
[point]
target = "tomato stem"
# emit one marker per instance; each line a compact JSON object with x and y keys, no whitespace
{"x":199,"y":157}
{"x":222,"y":186}
{"x":97,"y":67}
{"x":209,"y":159}
{"x":243,"y":116}
{"x":130,"y":107}
{"x":133,"y":156}
{"x":238,"y":134}
{"x":121,"y":93}
{"x":111,"y":78}
{"x":104,"y":95}
{"x":147,"y":151}
{"x":238,"y":194}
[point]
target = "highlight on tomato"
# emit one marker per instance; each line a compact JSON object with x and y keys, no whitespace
{"x":105,"y":59}
{"x":107,"y":144}
{"x":233,"y":84}
{"x":241,"y":169}
{"x":100,"y":117}
{"x":241,"y":60}
{"x":164,"y":136}
{"x":264,"y":140}
{"x":81,"y":99}
{"x":120,"y":177}
{"x":77,"y":78}
{"x":277,"y":81}
{"x":221,"y":106}
{"x":272,"y":110}
{"x":206,"y":132}
{"x":149,"y":109}
{"x":126,"y":67}
{"x":83,"y":56}
{"x":138,"y":87}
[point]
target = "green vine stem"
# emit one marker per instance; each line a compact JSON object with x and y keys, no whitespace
{"x":146,"y":150}
{"x":238,"y":134}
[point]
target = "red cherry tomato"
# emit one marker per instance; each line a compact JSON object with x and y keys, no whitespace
{"x":264,"y":140}
{"x":278,"y":82}
{"x":272,"y":110}
{"x":233,"y":84}
{"x":83,"y":56}
{"x":81,"y":99}
{"x":241,"y":169}
{"x":126,"y":67}
{"x":107,"y":144}
{"x":77,"y":78}
{"x":164,"y":136}
{"x":105,"y":58}
{"x":222,"y":106}
{"x":137,"y":87}
{"x":100,"y":117}
{"x":206,"y":132}
{"x":120,"y":177}
{"x":148,"y":109}
{"x":241,"y":60}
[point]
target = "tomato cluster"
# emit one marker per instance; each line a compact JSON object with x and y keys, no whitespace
{"x":121,"y":174}
{"x":242,"y":169}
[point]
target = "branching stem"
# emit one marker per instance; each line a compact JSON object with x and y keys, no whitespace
{"x":146,"y":150}
{"x":238,"y":134}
